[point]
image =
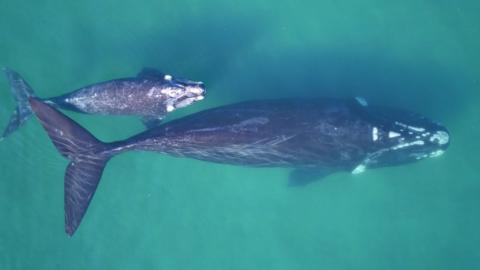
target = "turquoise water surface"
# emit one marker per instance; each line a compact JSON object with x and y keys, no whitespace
{"x":158,"y":212}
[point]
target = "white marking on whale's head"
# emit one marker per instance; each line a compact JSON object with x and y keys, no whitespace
{"x":167,"y":77}
{"x":412,"y":128}
{"x":359,"y":169}
{"x":196,"y":89}
{"x":172,"y":92}
{"x":440,"y":137}
{"x":361,"y":101}
{"x":393,"y":134}
{"x":404,"y":145}
{"x":436,"y":153}
{"x":375,"y":134}
{"x":170,"y":108}
{"x":417,"y":129}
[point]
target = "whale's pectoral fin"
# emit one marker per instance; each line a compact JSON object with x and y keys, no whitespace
{"x":151,"y":73}
{"x":302,"y":177}
{"x":151,"y":121}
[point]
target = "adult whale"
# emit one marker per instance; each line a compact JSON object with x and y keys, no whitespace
{"x":151,"y":95}
{"x":315,"y":137}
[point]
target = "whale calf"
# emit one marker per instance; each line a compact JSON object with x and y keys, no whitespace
{"x":314,"y":137}
{"x":151,"y":95}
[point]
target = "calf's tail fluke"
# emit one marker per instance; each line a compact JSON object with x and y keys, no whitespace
{"x":21,"y":92}
{"x":87,"y":155}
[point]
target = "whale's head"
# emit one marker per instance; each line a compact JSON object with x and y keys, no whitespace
{"x":181,"y":92}
{"x":399,"y":137}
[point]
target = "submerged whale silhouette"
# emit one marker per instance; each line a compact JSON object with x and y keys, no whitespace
{"x":151,"y":95}
{"x":315,"y":137}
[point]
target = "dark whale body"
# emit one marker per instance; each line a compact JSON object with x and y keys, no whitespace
{"x":321,"y":134}
{"x":269,"y":133}
{"x":151,"y":95}
{"x":315,"y":137}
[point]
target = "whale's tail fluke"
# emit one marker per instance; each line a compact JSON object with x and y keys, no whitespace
{"x":21,"y":92}
{"x":87,"y":155}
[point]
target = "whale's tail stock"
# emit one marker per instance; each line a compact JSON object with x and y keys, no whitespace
{"x":87,"y":155}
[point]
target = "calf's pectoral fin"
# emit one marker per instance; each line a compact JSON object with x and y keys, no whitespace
{"x":302,"y":177}
{"x":151,"y":121}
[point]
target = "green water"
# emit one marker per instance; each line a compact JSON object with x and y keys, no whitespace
{"x":157,"y":212}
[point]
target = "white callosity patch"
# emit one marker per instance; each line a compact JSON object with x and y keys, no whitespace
{"x":404,"y":145}
{"x":170,"y":108}
{"x":375,"y":134}
{"x":393,"y":134}
{"x":362,"y":101}
{"x":172,"y":92}
{"x":431,"y":155}
{"x":440,"y":137}
{"x":197,"y":90}
{"x":418,"y":157}
{"x":167,"y":77}
{"x":359,"y":169}
{"x":436,"y":153}
{"x":426,"y":134}
{"x":417,"y":129}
